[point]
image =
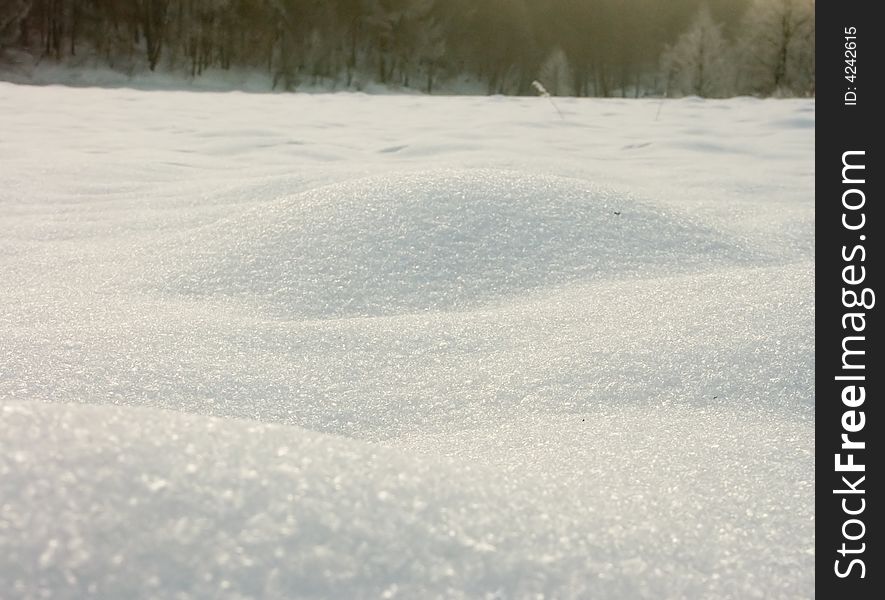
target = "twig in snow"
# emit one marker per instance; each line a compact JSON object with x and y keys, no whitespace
{"x":543,"y":91}
{"x":661,"y":103}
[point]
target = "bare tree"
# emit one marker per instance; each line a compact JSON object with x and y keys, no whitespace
{"x":12,"y":13}
{"x":152,"y":19}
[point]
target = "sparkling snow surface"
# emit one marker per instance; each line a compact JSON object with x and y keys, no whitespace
{"x":347,"y":346}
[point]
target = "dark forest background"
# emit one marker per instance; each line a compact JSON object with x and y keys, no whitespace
{"x":709,"y":48}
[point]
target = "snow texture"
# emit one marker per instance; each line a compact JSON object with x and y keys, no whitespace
{"x":349,"y":346}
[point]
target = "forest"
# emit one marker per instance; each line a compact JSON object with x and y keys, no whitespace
{"x":629,"y":48}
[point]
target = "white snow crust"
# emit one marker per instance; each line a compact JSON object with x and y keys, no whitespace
{"x":350,"y":346}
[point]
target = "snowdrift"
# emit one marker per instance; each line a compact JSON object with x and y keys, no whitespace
{"x":442,"y":240}
{"x":349,"y":346}
{"x":111,"y":502}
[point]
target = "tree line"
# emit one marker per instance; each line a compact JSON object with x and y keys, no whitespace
{"x":575,"y":47}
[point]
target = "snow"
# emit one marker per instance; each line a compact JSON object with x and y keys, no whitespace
{"x":316,"y":346}
{"x":436,"y":240}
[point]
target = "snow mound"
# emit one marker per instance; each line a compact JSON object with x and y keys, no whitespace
{"x":444,"y":240}
{"x":132,"y":503}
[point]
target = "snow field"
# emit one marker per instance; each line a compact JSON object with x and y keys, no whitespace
{"x":260,"y":346}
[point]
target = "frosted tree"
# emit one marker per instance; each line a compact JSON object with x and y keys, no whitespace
{"x":777,"y":47}
{"x":581,"y":47}
{"x":556,"y":73}
{"x":697,"y":63}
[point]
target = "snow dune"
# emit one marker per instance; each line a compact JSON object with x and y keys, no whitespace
{"x":127,"y":502}
{"x":439,"y":241}
{"x":261,"y":346}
